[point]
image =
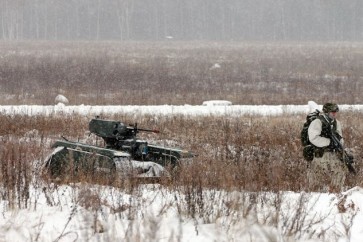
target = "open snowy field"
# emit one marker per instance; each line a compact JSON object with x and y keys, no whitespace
{"x":153,"y":212}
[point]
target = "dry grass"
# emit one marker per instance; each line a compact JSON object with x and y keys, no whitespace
{"x":180,"y":72}
{"x":254,"y":153}
{"x":249,"y":153}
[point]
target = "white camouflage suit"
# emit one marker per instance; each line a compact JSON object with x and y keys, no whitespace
{"x":327,"y":171}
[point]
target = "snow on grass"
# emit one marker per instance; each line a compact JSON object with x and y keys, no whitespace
{"x":188,"y":110}
{"x":81,"y":212}
{"x":84,"y":212}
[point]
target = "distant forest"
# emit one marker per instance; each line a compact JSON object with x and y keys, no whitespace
{"x":272,"y":20}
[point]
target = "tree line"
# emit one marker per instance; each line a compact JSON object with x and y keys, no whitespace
{"x":300,"y":20}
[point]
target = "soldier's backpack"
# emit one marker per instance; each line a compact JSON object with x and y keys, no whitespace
{"x":309,"y":148}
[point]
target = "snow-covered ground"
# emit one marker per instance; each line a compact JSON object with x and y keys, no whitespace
{"x":81,"y":212}
{"x":152,"y":213}
{"x":189,"y":110}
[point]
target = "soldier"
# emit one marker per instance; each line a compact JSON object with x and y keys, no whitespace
{"x":326,"y":168}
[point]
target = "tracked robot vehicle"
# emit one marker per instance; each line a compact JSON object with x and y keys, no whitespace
{"x":123,"y":153}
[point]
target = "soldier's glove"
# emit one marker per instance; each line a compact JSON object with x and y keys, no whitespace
{"x":349,"y":158}
{"x":331,"y":146}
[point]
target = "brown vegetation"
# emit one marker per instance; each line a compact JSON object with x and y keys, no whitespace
{"x":180,"y":72}
{"x":247,"y":153}
{"x":251,"y":153}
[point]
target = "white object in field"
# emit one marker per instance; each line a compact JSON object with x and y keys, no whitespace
{"x":215,"y":66}
{"x":217,"y":103}
{"x":61,"y":99}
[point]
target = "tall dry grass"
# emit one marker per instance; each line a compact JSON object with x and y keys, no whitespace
{"x":251,"y":155}
{"x":251,"y":152}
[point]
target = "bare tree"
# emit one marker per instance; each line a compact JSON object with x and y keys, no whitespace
{"x":183,"y":19}
{"x":124,"y":9}
{"x":12,"y":19}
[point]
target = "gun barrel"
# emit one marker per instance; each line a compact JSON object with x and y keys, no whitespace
{"x":143,"y":130}
{"x":149,"y":130}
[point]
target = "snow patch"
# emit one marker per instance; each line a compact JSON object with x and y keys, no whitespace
{"x":215,"y":66}
{"x":217,"y":103}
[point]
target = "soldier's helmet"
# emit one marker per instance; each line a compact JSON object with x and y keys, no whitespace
{"x":330,"y":107}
